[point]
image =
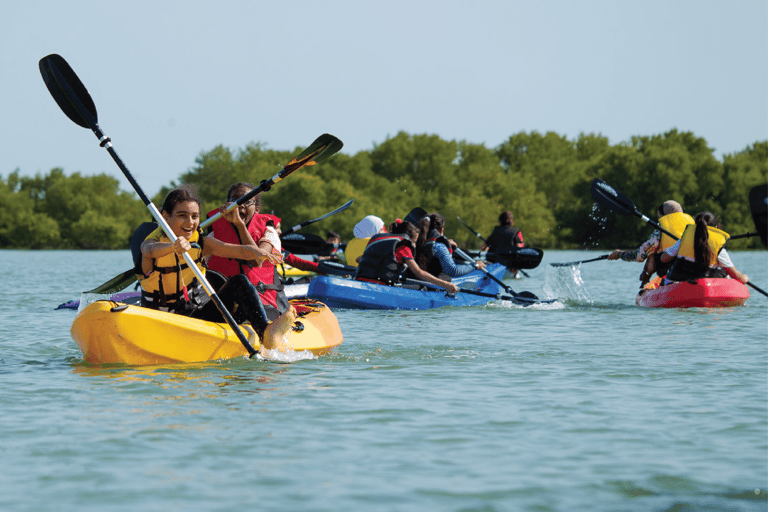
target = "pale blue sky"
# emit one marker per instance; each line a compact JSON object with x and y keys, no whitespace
{"x":171,"y":79}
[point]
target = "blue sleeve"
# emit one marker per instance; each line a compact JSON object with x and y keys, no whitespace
{"x":449,"y":266}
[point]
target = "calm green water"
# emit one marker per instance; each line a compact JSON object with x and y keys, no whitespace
{"x":591,"y":404}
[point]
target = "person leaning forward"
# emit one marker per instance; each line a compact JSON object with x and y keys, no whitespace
{"x":671,"y":219}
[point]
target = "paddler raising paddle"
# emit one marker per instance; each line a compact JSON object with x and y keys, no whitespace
{"x":672,"y":219}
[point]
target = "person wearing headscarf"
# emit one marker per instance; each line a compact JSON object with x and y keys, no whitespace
{"x":671,"y":219}
{"x":364,"y":230}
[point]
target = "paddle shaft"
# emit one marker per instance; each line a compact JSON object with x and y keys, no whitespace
{"x":321,"y":149}
{"x":603,"y":257}
{"x":105,"y":142}
{"x":496,"y":296}
{"x":308,"y":222}
{"x":619,"y":203}
{"x":494,"y":278}
{"x":90,"y":118}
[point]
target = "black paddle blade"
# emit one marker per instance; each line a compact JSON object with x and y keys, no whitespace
{"x":334,"y":268}
{"x":758,"y":203}
{"x":415,"y":215}
{"x":68,"y":91}
{"x":610,"y":198}
{"x":324,"y":147}
{"x":304,"y":243}
{"x":116,"y":284}
{"x":525,"y":257}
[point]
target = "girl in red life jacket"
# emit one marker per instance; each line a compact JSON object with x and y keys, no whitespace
{"x":246,"y":226}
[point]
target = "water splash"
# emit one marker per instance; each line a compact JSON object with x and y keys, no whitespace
{"x":566,"y":283}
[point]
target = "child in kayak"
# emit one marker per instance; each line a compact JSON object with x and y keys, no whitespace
{"x":388,"y":257}
{"x":246,"y":225}
{"x":434,"y":250}
{"x":168,"y":284}
{"x":700,"y":252}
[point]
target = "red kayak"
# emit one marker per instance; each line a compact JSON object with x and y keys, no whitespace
{"x":703,"y":293}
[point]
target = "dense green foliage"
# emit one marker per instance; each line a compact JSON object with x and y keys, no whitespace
{"x":543,"y":179}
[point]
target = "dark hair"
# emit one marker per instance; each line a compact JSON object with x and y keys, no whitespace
{"x":178,"y":195}
{"x":404,"y":228}
{"x":506,"y":219}
{"x":701,"y":252}
{"x":436,"y":222}
{"x":421,"y":241}
{"x":245,"y":188}
{"x":333,"y":234}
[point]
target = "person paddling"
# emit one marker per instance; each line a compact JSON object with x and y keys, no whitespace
{"x":389,"y":257}
{"x":504,"y":238}
{"x":251,"y":227}
{"x":169,"y":285}
{"x":671,"y":219}
{"x":700,"y":252}
{"x":434,"y":250}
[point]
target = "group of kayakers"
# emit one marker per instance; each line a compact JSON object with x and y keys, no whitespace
{"x":244,"y":248}
{"x":696,"y":251}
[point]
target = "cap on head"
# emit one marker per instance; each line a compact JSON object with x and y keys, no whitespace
{"x":368,"y":227}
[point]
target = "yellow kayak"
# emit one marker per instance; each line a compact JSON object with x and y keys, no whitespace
{"x":112,"y":332}
{"x":295,"y":272}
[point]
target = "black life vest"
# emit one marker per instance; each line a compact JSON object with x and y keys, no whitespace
{"x":433,"y":262}
{"x":503,"y":239}
{"x":378,"y":261}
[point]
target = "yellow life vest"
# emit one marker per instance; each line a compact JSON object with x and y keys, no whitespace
{"x":170,"y":274}
{"x":675,"y":223}
{"x":355,"y":248}
{"x":716,"y":241}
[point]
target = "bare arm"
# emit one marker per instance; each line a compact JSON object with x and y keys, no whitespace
{"x":216,"y":247}
{"x":152,"y":249}
{"x":244,"y":235}
{"x":731,"y":271}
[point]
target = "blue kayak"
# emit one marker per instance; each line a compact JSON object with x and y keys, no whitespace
{"x":343,"y":293}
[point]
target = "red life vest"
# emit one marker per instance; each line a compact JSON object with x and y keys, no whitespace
{"x":223,"y":230}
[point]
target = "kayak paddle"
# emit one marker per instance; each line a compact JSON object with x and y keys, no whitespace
{"x":572,"y":263}
{"x":758,"y":203}
{"x":518,"y":298}
{"x":75,"y":101}
{"x":322,"y":148}
{"x":415,"y":215}
{"x":308,"y":222}
{"x":607,"y":196}
{"x":306,"y":243}
{"x":528,"y":296}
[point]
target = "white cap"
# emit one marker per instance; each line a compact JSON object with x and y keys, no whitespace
{"x":368,"y":227}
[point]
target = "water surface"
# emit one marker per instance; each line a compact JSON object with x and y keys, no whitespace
{"x":588,"y":404}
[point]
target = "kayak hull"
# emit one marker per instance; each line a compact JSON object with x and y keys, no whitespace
{"x":111,"y":332}
{"x":292,"y":291}
{"x":703,"y":293}
{"x":351,"y":294}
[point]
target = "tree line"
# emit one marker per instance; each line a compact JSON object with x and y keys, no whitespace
{"x":543,"y":179}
